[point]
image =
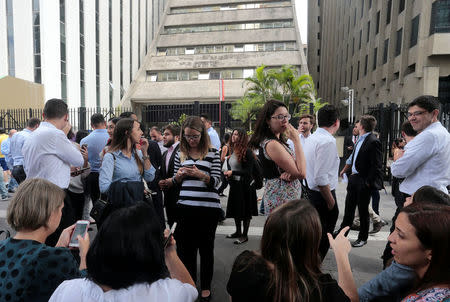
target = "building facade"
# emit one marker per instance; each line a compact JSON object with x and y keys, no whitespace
{"x":386,"y":50}
{"x":206,"y":48}
{"x":86,"y":52}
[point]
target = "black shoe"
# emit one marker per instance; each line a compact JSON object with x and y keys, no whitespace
{"x":234,"y":235}
{"x":359,"y":243}
{"x":222,"y":195}
{"x":384,"y":222}
{"x":205,"y":299}
{"x":376,"y":227}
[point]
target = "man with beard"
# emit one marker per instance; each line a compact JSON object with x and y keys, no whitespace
{"x":306,"y":123}
{"x":171,"y":142}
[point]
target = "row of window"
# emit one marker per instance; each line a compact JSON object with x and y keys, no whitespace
{"x":227,"y":27}
{"x":213,"y":8}
{"x":192,"y":75}
{"x":273,"y":46}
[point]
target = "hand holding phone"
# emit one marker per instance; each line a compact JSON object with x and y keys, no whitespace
{"x":81,"y":228}
{"x":168,"y":238}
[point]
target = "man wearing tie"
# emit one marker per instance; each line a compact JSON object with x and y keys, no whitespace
{"x":365,"y":163}
{"x":171,"y":142}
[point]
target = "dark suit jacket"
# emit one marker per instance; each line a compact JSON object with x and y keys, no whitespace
{"x":368,"y":163}
{"x":154,"y":152}
{"x":171,"y":195}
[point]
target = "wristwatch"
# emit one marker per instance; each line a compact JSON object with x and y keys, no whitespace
{"x":145,"y":157}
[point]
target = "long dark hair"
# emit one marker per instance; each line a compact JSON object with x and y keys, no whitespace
{"x":432,"y":225}
{"x":194,"y":122}
{"x":240,"y":147}
{"x":128,"y":249}
{"x":290,"y":241}
{"x":262,"y":130}
{"x":122,"y":133}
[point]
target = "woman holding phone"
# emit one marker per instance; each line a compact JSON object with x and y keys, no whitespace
{"x":280,"y":168}
{"x":35,"y":213}
{"x":127,"y":262}
{"x":125,"y":166}
{"x":197,"y":173}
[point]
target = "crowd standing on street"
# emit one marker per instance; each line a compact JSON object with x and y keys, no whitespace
{"x":140,"y":182}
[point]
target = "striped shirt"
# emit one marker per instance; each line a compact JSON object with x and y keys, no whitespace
{"x":195,"y":192}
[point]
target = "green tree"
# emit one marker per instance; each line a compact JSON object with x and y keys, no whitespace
{"x":246,"y":109}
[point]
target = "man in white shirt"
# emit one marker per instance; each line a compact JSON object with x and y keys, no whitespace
{"x":213,"y":136}
{"x":306,"y":123}
{"x":49,"y":154}
{"x":426,"y":159}
{"x":322,"y":168}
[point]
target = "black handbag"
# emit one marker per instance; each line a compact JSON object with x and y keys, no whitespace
{"x":100,"y":206}
{"x":306,"y":191}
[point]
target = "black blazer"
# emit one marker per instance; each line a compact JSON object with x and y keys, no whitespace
{"x":163,"y":174}
{"x":368,"y":163}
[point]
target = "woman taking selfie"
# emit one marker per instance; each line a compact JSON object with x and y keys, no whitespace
{"x":421,"y":241}
{"x":242,"y":197}
{"x":281,"y":170}
{"x":288,"y":268}
{"x":197,"y":173}
{"x":128,"y":262}
{"x":124,"y":166}
{"x":35,"y":213}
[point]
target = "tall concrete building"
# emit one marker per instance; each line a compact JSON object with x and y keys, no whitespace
{"x":386,"y":50}
{"x":86,"y":52}
{"x":204,"y":43}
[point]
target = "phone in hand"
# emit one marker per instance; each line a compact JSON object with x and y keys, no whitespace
{"x":172,"y":230}
{"x":84,"y":146}
{"x":81,"y":228}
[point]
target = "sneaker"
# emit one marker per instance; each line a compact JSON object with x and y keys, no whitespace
{"x":4,"y":198}
{"x":376,"y":227}
{"x":359,"y":243}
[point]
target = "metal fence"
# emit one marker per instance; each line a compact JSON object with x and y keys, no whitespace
{"x":80,"y":118}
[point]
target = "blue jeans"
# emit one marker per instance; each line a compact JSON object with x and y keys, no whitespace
{"x":12,"y":181}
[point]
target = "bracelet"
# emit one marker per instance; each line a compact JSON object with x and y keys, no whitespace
{"x":145,"y":157}
{"x":174,"y":181}
{"x":204,"y":178}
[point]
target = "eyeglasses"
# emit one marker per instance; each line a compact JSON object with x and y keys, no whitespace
{"x":281,"y":117}
{"x":192,"y":137}
{"x":417,"y":113}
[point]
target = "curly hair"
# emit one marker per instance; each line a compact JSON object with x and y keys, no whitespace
{"x":240,"y":146}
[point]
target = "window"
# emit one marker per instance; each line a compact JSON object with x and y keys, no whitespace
{"x":318,"y":52}
{"x":440,"y":17}
{"x":354,"y":18}
{"x":214,"y":75}
{"x":153,"y":77}
{"x":401,"y":6}
{"x":37,"y":42}
{"x":385,"y":52}
{"x":318,"y":19}
{"x":318,"y":36}
{"x":239,"y":48}
{"x":318,"y":68}
{"x":414,"y":31}
{"x":357,"y":73}
{"x":168,"y":30}
{"x":377,"y":27}
{"x":353,"y":47}
{"x":360,"y":38}
{"x":190,"y":51}
{"x":375,"y":54}
{"x":398,"y":45}
{"x":10,"y":38}
{"x":365,"y":64}
{"x":62,"y":33}
{"x":248,"y":73}
{"x":351,"y":75}
{"x":388,"y":12}
{"x":203,"y":75}
{"x":362,"y":8}
{"x":368,"y":31}
{"x":370,"y":4}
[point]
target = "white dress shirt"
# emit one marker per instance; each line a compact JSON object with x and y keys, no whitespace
{"x":426,"y":160}
{"x":322,"y":160}
{"x":302,"y":141}
{"x":48,"y":154}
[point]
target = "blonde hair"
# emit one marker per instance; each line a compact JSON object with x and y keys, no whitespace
{"x":35,"y":200}
{"x":194,"y":122}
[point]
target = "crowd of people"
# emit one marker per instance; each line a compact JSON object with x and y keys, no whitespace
{"x":177,"y":174}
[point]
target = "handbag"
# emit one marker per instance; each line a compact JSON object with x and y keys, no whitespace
{"x":306,"y":191}
{"x":100,"y":206}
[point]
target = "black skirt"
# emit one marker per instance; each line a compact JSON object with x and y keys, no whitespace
{"x":242,"y":200}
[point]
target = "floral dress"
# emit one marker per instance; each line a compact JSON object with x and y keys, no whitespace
{"x":434,"y":294}
{"x":276,"y":190}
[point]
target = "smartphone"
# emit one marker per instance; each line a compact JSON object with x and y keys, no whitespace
{"x":80,"y":229}
{"x":167,"y":240}
{"x":84,"y":146}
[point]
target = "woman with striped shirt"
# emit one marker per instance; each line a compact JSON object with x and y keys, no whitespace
{"x":197,"y":169}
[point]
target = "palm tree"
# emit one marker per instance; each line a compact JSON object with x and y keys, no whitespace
{"x":246,"y":109}
{"x":261,"y":83}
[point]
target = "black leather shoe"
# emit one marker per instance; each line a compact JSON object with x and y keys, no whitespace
{"x":234,"y":235}
{"x":376,"y":227}
{"x":359,"y":243}
{"x":241,"y":240}
{"x":354,"y":227}
{"x":206,"y":299}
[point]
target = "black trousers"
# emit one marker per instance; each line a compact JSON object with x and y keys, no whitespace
{"x":197,"y":233}
{"x":358,"y":195}
{"x":19,"y":174}
{"x":67,"y":219}
{"x":77,"y":200}
{"x":92,"y":186}
{"x":328,"y":218}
